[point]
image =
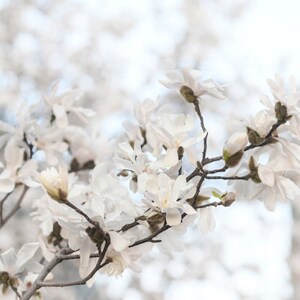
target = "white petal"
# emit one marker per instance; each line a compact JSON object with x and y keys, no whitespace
{"x":7,"y":185}
{"x":206,"y":221}
{"x":173,"y":217}
{"x":188,"y":209}
{"x":26,"y":252}
{"x":61,"y":118}
{"x":266,"y":175}
{"x":118,"y":242}
{"x":9,"y":258}
{"x":290,"y":189}
{"x":171,"y":158}
{"x":85,"y":251}
{"x":269,"y":199}
{"x":180,"y":185}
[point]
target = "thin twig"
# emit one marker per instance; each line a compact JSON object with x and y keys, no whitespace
{"x":1,"y":206}
{"x":97,"y":267}
{"x":198,"y":188}
{"x":79,"y":211}
{"x":76,"y":256}
{"x":16,"y":291}
{"x":192,"y":175}
{"x":151,"y":236}
{"x":210,"y":160}
{"x":215,"y":204}
{"x":46,"y":270}
{"x":15,"y":208}
{"x":229,"y":177}
{"x":58,"y":258}
{"x":198,"y":111}
{"x":223,"y":169}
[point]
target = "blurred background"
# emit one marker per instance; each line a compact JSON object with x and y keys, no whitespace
{"x":116,"y":51}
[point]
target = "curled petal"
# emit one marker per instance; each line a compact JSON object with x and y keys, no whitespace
{"x":173,"y":216}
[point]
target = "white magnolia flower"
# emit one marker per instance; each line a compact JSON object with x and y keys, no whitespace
{"x":172,"y":131}
{"x":64,"y":103}
{"x":291,"y":101}
{"x":16,"y":170}
{"x":169,"y":196}
{"x":127,"y":258}
{"x":190,"y":78}
{"x":276,"y":185}
{"x":55,"y":182}
{"x":116,"y":267}
{"x":107,"y":197}
{"x":143,"y":111}
{"x":13,"y":265}
{"x":50,"y":140}
{"x":273,"y":183}
{"x":262,"y":123}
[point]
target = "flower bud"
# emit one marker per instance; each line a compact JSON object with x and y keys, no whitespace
{"x":56,"y":183}
{"x":253,"y":171}
{"x":188,"y":94}
{"x":234,"y":149}
{"x":228,"y":198}
{"x":254,"y":137}
{"x":281,"y":112}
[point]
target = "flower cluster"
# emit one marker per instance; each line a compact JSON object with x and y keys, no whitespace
{"x":160,"y":178}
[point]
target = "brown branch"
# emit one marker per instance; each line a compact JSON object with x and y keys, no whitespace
{"x":215,"y":204}
{"x":268,"y":139}
{"x":16,"y":291}
{"x":192,"y":175}
{"x":15,"y":208}
{"x":210,"y":160}
{"x":47,"y":269}
{"x":79,"y":211}
{"x":229,"y":177}
{"x":58,"y":258}
{"x":97,"y":267}
{"x":76,"y":256}
{"x":200,"y":182}
{"x":134,"y":223}
{"x":198,"y":111}
{"x":223,"y":169}
{"x":79,"y":282}
{"x":1,"y":206}
{"x":151,"y":236}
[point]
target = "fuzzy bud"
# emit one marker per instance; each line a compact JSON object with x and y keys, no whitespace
{"x":281,"y":112}
{"x":188,"y":94}
{"x":254,"y":137}
{"x":228,"y":199}
{"x":253,"y":171}
{"x":233,"y":150}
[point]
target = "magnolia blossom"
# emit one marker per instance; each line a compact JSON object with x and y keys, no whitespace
{"x":127,"y":258}
{"x":55,"y":182}
{"x":291,"y":102}
{"x":276,"y":186}
{"x":64,"y":103}
{"x":16,"y":169}
{"x":169,"y":196}
{"x":50,"y":141}
{"x":116,"y":267}
{"x":273,"y":182}
{"x":13,"y":264}
{"x":172,"y":131}
{"x":190,"y":78}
